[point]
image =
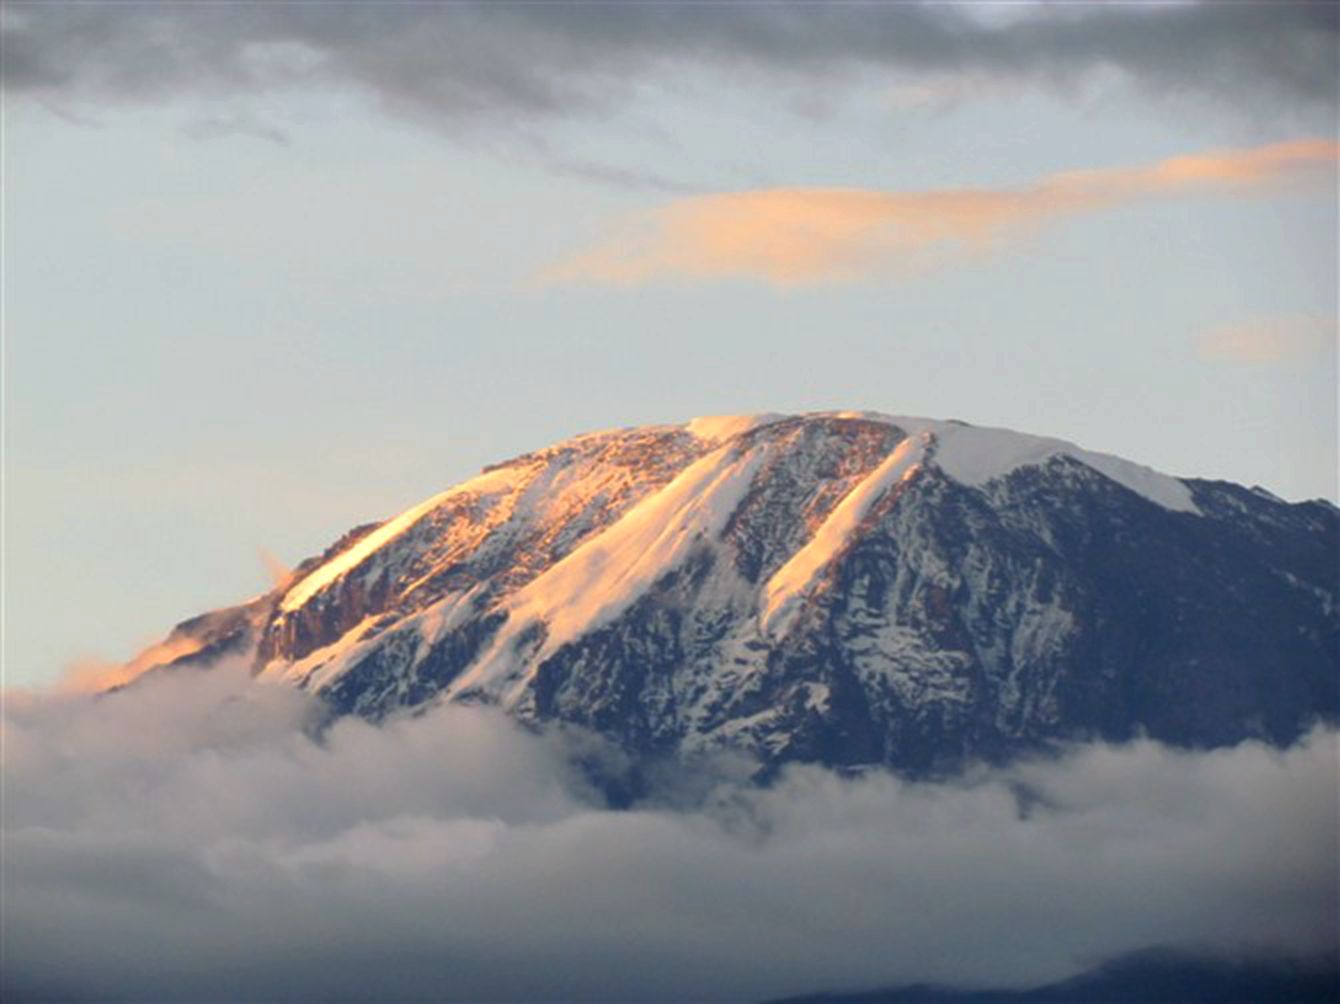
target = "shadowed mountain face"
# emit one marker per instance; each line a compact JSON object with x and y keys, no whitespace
{"x":846,"y":589}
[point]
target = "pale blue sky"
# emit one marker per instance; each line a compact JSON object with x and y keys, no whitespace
{"x":249,"y":311}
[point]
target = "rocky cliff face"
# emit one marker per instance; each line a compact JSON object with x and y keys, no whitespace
{"x":848,"y":589}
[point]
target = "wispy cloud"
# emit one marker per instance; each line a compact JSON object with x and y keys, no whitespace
{"x":279,"y":572}
{"x":1270,"y":339}
{"x":792,"y":236}
{"x":92,"y":676}
{"x":236,"y":124}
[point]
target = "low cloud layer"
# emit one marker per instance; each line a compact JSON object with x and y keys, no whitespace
{"x":189,"y":839}
{"x":442,"y":63}
{"x":797,"y":236}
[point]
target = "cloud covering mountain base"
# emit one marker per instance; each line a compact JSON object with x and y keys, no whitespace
{"x":198,"y":837}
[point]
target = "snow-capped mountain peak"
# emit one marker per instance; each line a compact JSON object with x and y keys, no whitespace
{"x":841,"y":586}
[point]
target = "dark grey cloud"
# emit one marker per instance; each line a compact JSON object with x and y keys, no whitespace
{"x":615,"y":176}
{"x":189,"y":839}
{"x":448,"y":63}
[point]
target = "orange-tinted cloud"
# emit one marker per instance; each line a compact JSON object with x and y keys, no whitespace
{"x":279,"y":573}
{"x":796,"y":236}
{"x":93,"y":675}
{"x":1270,"y":340}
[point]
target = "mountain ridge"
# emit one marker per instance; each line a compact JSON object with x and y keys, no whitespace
{"x":840,"y":587}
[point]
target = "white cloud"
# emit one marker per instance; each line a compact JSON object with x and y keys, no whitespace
{"x":190,"y":839}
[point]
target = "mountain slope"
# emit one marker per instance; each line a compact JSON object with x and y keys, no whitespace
{"x":845,"y":588}
{"x":1148,"y":977}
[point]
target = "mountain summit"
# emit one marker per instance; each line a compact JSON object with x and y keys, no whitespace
{"x":843,"y":588}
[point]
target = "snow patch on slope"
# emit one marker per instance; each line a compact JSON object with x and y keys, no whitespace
{"x":318,"y":668}
{"x":495,"y":480}
{"x":608,"y":573}
{"x":974,"y":455}
{"x":719,"y":428}
{"x":783,"y":592}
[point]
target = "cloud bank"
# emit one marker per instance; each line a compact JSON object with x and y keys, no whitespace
{"x":442,"y":63}
{"x":190,"y":838}
{"x":797,"y":236}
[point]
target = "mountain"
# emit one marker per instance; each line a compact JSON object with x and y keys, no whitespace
{"x":1149,"y":977}
{"x":841,"y":588}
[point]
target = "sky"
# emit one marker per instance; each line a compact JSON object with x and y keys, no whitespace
{"x":271,"y":271}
